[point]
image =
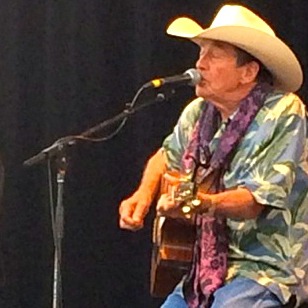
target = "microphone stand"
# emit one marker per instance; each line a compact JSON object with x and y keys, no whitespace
{"x":58,"y":231}
{"x":57,"y":149}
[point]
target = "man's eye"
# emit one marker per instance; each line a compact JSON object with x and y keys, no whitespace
{"x":216,"y":54}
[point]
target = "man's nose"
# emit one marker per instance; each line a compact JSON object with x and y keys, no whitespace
{"x":202,"y":61}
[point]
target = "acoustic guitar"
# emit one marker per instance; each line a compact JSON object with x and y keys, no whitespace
{"x":173,"y":241}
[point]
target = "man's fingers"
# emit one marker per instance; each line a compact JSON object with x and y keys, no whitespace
{"x":133,"y":210}
{"x":140,"y":211}
{"x":132,"y":214}
{"x":126,"y":208}
{"x":165,"y":203}
{"x":129,"y":224}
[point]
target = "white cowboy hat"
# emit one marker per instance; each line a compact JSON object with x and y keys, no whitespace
{"x":240,"y":27}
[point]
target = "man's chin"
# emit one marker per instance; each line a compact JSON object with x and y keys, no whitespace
{"x":201,"y":92}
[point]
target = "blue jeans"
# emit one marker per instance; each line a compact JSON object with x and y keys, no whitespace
{"x":240,"y":293}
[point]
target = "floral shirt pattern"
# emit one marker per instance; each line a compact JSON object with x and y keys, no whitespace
{"x":271,"y":161}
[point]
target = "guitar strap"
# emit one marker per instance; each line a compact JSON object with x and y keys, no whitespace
{"x":209,"y":264}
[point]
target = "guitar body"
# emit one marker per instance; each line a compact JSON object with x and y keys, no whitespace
{"x":173,"y":241}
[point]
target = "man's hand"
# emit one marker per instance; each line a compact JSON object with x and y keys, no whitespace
{"x":167,"y":205}
{"x":133,"y":210}
{"x":179,"y":201}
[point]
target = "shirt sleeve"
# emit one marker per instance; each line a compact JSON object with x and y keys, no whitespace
{"x":174,"y":145}
{"x":272,"y":150}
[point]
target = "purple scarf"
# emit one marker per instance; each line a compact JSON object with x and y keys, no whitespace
{"x":209,"y":266}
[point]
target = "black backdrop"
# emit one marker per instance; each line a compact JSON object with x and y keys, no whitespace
{"x":64,"y":67}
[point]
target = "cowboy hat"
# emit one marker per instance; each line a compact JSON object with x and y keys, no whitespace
{"x":242,"y":28}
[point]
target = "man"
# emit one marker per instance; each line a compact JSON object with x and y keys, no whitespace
{"x":246,"y":132}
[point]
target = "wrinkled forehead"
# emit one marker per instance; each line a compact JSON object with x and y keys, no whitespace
{"x":206,"y":43}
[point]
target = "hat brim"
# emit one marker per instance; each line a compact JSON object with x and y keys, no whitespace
{"x":275,"y":55}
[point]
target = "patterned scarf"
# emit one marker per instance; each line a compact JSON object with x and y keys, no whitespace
{"x":209,"y":265}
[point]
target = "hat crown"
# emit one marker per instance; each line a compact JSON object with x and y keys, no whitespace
{"x":236,"y":15}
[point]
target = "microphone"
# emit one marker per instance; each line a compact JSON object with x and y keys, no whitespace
{"x":190,"y":77}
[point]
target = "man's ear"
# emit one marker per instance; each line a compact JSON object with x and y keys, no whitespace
{"x":250,"y":72}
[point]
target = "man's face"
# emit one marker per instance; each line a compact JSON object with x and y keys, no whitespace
{"x":220,"y":74}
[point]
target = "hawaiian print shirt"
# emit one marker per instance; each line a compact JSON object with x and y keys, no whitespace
{"x":271,"y":161}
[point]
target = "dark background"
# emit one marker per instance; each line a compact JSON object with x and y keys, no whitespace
{"x":64,"y":67}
